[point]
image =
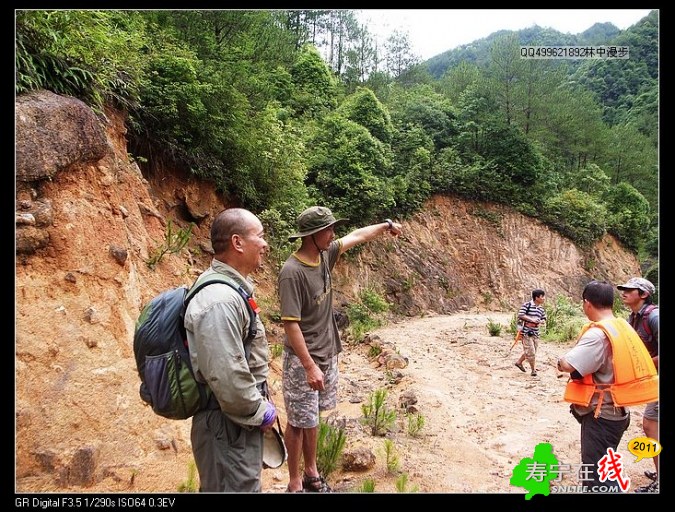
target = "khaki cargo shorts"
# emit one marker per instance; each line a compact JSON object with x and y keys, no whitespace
{"x":530,"y":346}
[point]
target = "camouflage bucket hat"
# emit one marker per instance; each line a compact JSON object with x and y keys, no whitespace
{"x":313,"y":220}
{"x":638,"y":283}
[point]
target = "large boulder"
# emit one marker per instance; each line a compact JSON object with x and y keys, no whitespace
{"x":54,"y":132}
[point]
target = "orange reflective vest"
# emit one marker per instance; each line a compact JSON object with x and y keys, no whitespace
{"x":635,"y":378}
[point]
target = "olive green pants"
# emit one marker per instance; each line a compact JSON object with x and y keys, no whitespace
{"x":228,"y":456}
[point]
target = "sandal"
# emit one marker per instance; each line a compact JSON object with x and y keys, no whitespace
{"x":651,"y":487}
{"x":315,"y":484}
{"x":520,"y":367}
{"x":288,"y":489}
{"x":651,"y":475}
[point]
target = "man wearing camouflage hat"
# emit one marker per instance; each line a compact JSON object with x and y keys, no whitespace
{"x":637,"y":294}
{"x":312,"y":341}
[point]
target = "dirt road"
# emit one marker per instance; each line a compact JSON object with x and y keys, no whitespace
{"x":482,"y":415}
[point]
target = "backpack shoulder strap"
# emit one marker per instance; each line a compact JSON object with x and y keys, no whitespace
{"x":527,"y":310}
{"x":645,"y":319}
{"x":218,"y":278}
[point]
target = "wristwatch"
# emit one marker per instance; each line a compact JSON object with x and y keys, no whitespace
{"x":390,"y":222}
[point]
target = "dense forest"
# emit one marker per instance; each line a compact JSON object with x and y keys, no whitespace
{"x":286,"y":108}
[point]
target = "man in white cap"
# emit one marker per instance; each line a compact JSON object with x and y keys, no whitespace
{"x":637,"y":294}
{"x":312,"y":342}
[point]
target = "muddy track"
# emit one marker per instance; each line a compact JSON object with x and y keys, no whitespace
{"x":482,"y":415}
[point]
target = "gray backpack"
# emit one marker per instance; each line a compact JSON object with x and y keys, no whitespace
{"x":168,"y":383}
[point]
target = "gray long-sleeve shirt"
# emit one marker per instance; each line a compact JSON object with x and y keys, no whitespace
{"x":216,"y":322}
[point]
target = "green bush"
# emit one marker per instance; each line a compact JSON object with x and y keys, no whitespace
{"x":402,"y":484}
{"x":653,"y":276}
{"x":391,"y":457}
{"x":191,"y":484}
{"x":174,"y":241}
{"x":494,"y":328}
{"x":364,"y":108}
{"x":93,"y":55}
{"x":377,"y":415}
{"x":365,"y":315}
{"x":415,"y":424}
{"x":368,"y":485}
{"x":350,"y":170}
{"x":374,"y":351}
{"x":331,"y":443}
{"x":564,"y":319}
{"x":276,"y":349}
{"x":570,"y":330}
{"x":373,"y":301}
{"x":628,"y":217}
{"x":577,"y":215}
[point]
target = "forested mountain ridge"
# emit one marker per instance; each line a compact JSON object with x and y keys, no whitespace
{"x":599,"y":34}
{"x":251,"y":99}
{"x":619,"y":86}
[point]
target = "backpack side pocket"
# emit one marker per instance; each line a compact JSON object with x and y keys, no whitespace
{"x":174,"y":393}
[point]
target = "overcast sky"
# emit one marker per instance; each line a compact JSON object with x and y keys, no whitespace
{"x":434,"y":31}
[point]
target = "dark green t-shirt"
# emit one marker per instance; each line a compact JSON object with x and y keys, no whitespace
{"x":306,"y":296}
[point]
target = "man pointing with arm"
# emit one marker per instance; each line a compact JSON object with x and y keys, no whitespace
{"x":312,"y":341}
